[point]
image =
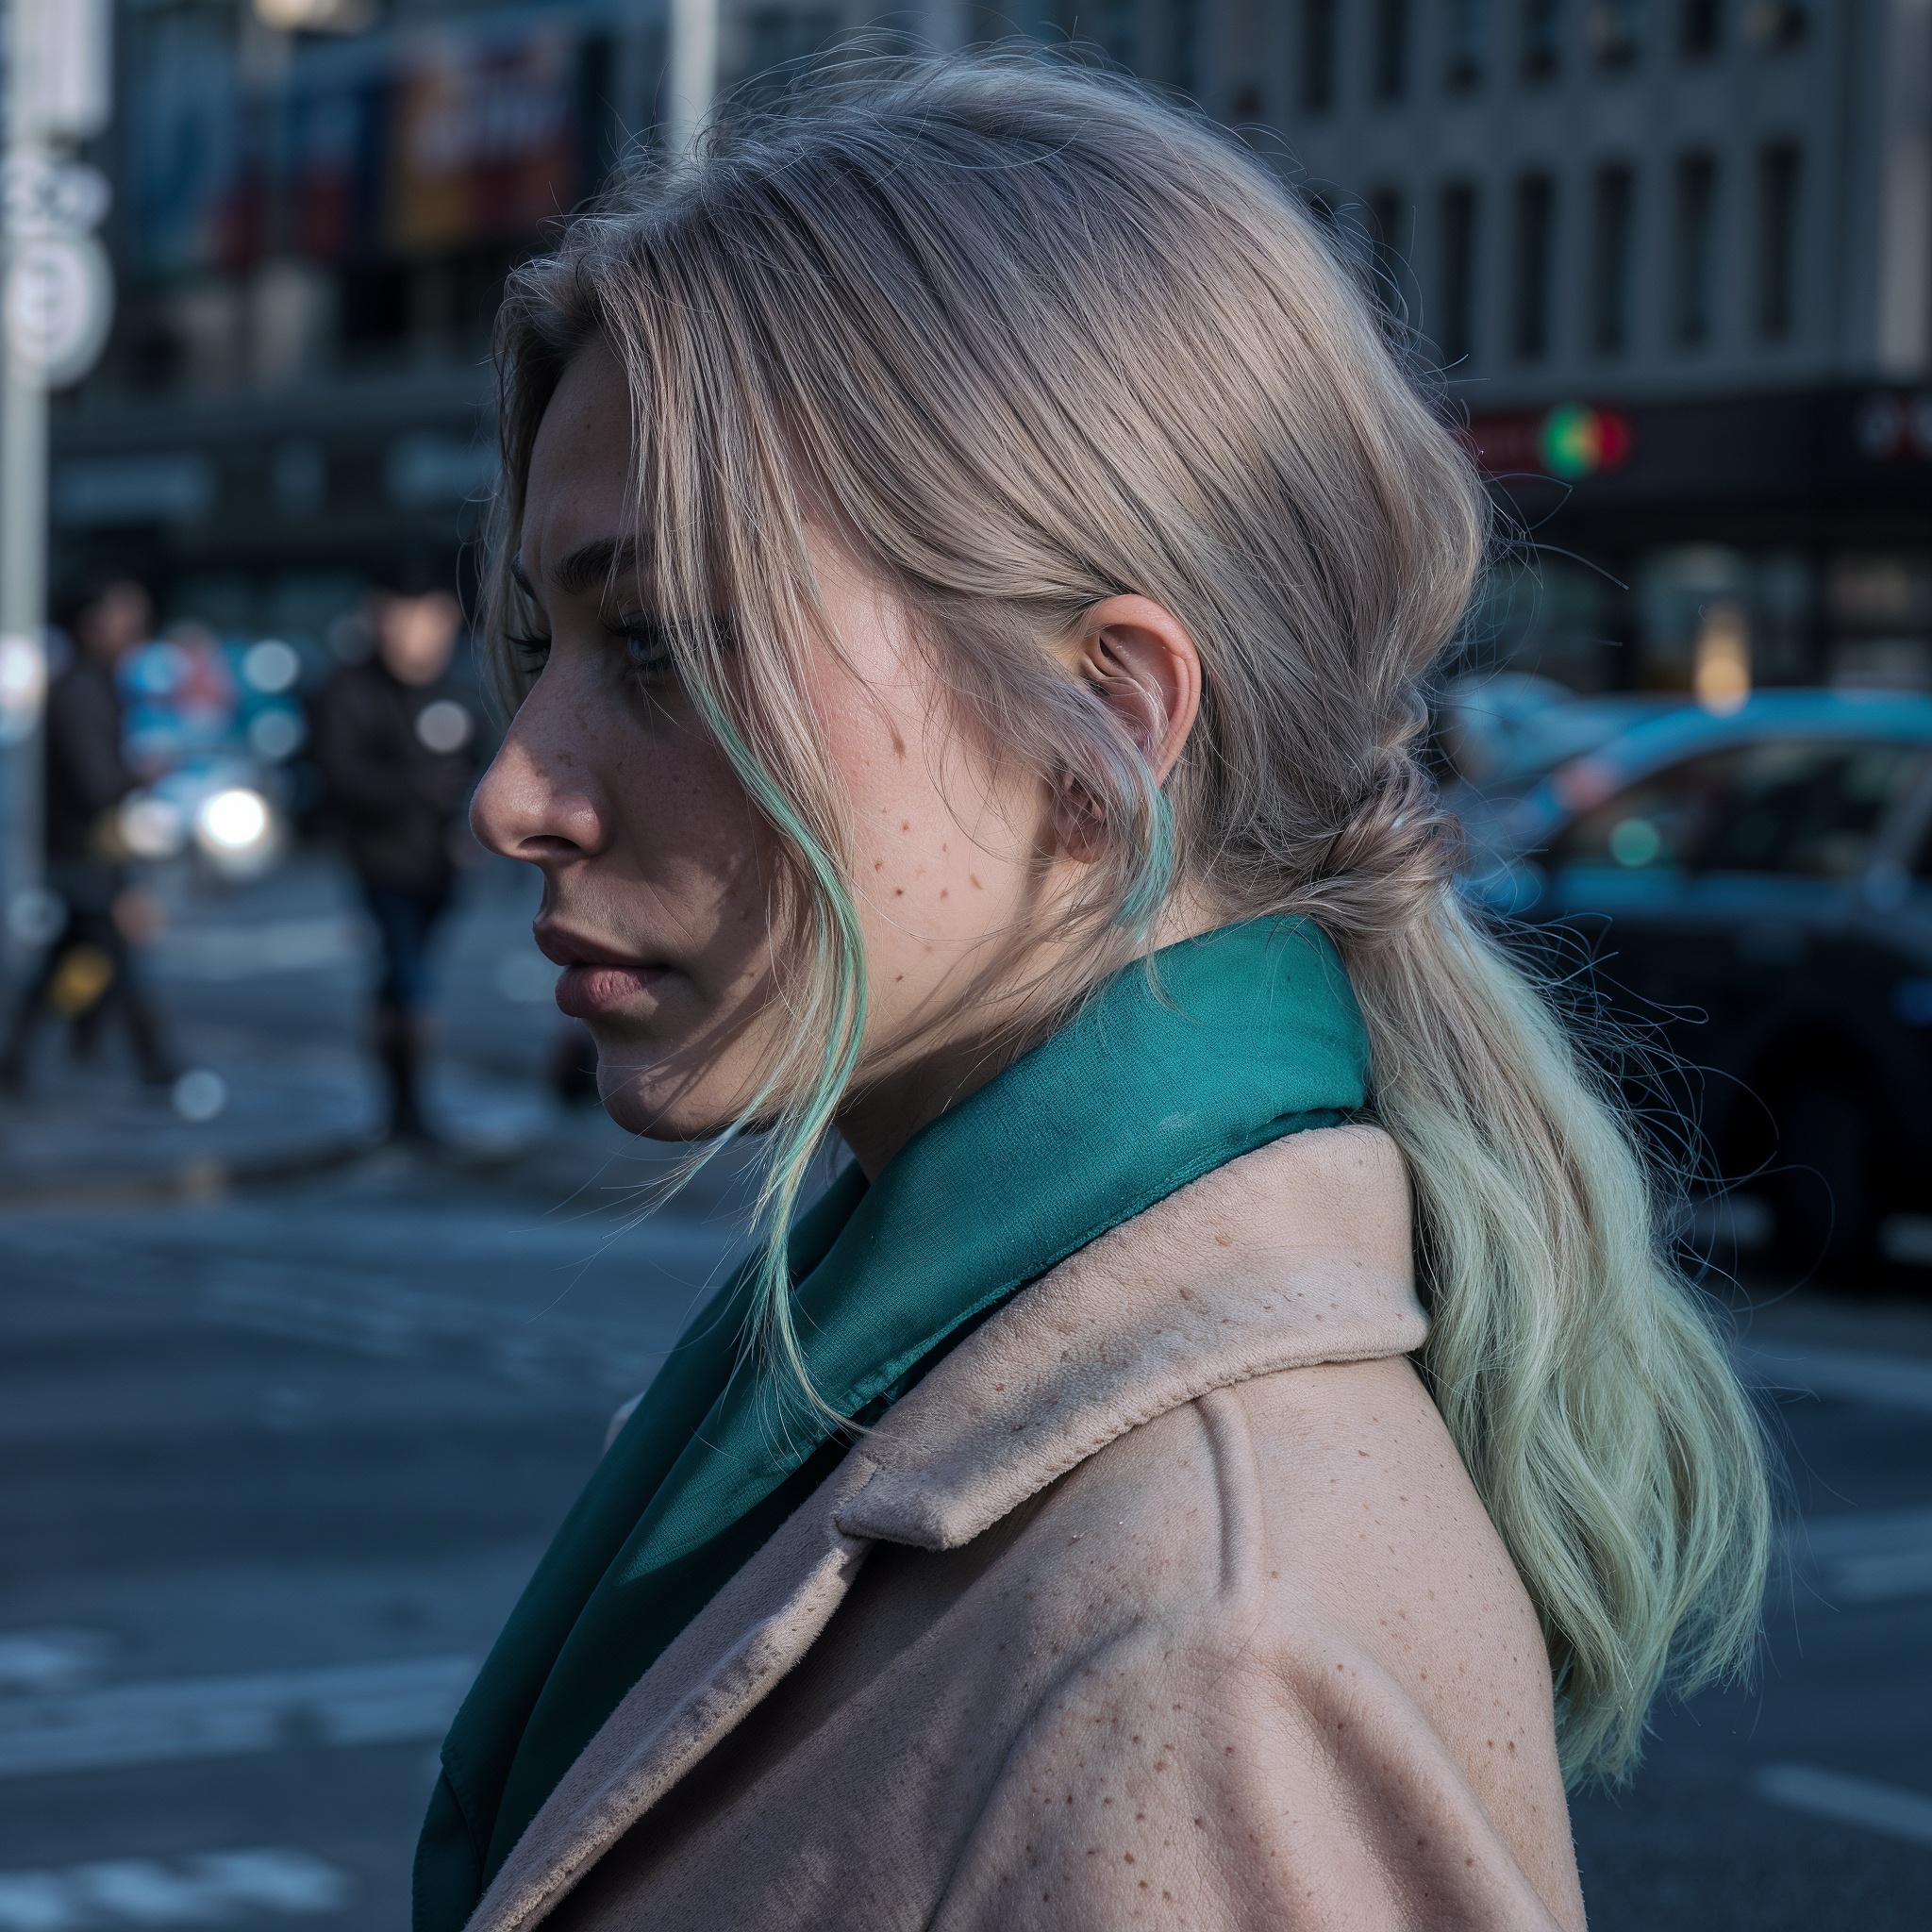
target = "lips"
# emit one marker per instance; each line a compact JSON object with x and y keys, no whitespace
{"x":585,"y":992}
{"x":593,"y":981}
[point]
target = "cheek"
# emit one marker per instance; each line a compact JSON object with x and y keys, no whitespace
{"x":689,"y":845}
{"x":941,"y":843}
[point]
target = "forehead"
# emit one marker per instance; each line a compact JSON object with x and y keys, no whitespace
{"x":580,"y":464}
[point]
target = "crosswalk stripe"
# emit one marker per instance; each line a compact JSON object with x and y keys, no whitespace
{"x":1842,"y":1373}
{"x":1890,"y":1809}
{"x":199,"y":1890}
{"x":218,"y":1717}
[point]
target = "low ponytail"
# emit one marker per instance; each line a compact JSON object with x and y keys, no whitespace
{"x":1583,"y":1379}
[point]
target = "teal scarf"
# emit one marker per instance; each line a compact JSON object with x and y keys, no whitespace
{"x":1233,"y":1040}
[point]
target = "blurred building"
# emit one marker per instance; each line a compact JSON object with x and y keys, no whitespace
{"x":310,"y":233}
{"x":1675,"y":256}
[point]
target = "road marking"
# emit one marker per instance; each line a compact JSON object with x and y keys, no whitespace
{"x":248,"y":951}
{"x":1859,"y":1801}
{"x":1874,"y":1557}
{"x":1852,"y":1377}
{"x":411,"y":1698}
{"x":51,"y":1659}
{"x":208,"y":1887}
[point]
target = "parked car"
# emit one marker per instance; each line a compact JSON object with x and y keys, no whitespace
{"x":1757,"y":893}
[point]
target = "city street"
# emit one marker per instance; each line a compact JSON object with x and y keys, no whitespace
{"x":283,"y":1428}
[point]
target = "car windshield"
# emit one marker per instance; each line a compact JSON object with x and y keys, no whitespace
{"x":1808,"y":808}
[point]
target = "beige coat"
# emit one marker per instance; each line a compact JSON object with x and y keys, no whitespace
{"x":1164,"y":1600}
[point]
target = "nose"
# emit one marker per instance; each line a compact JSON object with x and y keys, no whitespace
{"x":537,"y":801}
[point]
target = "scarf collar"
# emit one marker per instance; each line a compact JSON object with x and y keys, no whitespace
{"x":1214,"y":1048}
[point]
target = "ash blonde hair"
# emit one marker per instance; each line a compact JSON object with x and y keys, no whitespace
{"x":1026,"y":337}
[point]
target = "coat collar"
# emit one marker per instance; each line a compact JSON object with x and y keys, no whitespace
{"x":1295,"y":1254}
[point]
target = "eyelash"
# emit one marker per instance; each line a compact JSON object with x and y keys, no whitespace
{"x":649,"y":661}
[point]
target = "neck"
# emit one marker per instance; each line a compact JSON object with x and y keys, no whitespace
{"x":889,"y":1108}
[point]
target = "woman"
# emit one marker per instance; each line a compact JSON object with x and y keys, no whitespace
{"x":968,"y":560}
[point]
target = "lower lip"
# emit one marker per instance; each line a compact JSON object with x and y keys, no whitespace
{"x":585,"y":992}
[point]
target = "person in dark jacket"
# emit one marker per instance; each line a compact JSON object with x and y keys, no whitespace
{"x":87,"y":976}
{"x":393,"y":741}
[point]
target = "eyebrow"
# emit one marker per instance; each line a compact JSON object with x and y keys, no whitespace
{"x":586,"y":568}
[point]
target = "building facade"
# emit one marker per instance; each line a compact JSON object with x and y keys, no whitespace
{"x":1674,"y":259}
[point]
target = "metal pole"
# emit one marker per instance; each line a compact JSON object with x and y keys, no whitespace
{"x":23,"y":572}
{"x":23,"y":620}
{"x":691,"y":81}
{"x":56,"y":297}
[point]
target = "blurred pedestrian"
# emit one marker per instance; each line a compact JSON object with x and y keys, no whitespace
{"x":394,"y":742}
{"x":87,"y":976}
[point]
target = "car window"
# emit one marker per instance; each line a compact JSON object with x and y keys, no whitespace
{"x":1808,"y":809}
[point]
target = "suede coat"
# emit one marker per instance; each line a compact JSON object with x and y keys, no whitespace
{"x":1164,"y":1600}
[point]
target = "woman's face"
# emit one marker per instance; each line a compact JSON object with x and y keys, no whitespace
{"x":657,"y":871}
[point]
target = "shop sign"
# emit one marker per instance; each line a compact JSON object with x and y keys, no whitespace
{"x":1571,"y":440}
{"x":485,"y":146}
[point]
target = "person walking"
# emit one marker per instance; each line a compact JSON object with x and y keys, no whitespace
{"x":394,"y":742}
{"x":88,"y":975}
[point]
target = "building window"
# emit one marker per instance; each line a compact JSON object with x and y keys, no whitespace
{"x":1700,"y":28}
{"x":1319,"y":48}
{"x":1117,"y":23}
{"x":1543,"y":38}
{"x":1697,"y":264}
{"x":1778,"y":177}
{"x":1776,"y":24}
{"x":1184,"y":43}
{"x":1612,"y":222}
{"x":1615,"y":31}
{"x":1388,"y":242}
{"x":1455,"y":329}
{"x":1468,"y":24}
{"x":1389,"y":62}
{"x":1536,"y":224}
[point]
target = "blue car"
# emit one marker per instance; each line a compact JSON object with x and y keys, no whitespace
{"x":1756,"y":890}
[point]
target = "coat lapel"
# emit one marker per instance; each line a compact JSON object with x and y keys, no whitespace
{"x":1293,"y":1255}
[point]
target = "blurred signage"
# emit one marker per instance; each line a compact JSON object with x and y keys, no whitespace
{"x":485,"y":146}
{"x":186,"y":140}
{"x":1571,"y":440}
{"x":64,"y":50}
{"x":414,"y":146}
{"x":106,"y":492}
{"x":57,"y":302}
{"x":1892,"y":425}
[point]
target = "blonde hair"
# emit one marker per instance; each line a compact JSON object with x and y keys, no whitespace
{"x":1026,"y":338}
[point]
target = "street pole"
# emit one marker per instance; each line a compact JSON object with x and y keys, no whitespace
{"x":692,"y":73}
{"x":55,"y":295}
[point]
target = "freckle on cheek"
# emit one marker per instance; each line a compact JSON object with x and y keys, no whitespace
{"x":905,"y":824}
{"x":972,"y":879}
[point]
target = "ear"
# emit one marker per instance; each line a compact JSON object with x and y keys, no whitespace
{"x":1137,"y":658}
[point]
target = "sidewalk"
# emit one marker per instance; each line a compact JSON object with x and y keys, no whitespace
{"x":263,"y":989}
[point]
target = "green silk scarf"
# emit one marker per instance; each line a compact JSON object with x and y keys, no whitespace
{"x":1233,"y":1041}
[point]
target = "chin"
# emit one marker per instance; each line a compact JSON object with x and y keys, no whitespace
{"x":644,"y":1102}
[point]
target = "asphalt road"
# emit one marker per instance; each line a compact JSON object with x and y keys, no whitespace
{"x":273,"y":1465}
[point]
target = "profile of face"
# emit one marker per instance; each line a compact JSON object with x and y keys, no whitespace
{"x":121,"y":618}
{"x":657,"y":868}
{"x":416,"y":636}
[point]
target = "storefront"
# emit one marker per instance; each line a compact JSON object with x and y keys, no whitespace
{"x":1783,"y":538}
